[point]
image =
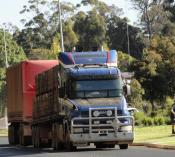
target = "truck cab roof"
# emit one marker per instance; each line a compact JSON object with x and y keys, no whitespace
{"x":88,"y":58}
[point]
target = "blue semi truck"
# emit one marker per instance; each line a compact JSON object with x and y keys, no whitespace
{"x":82,"y":101}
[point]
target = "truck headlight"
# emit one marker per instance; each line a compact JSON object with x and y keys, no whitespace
{"x":96,"y":113}
{"x":126,"y":128}
{"x":109,"y":113}
{"x":96,"y":122}
{"x":78,"y":130}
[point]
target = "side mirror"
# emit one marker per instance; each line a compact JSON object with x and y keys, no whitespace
{"x":127,"y":89}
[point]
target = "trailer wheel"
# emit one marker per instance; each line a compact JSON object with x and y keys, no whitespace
{"x":123,"y":146}
{"x":24,"y":140}
{"x":38,"y":140}
{"x":13,"y":134}
{"x":34,"y":136}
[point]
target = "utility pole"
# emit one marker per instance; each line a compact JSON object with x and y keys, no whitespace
{"x":5,"y":50}
{"x":61,"y":28}
{"x":127,"y":32}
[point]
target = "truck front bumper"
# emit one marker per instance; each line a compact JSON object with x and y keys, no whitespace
{"x":109,"y":129}
{"x":119,"y":138}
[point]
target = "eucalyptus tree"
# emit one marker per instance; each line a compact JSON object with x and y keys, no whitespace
{"x":153,"y":15}
{"x":43,"y":26}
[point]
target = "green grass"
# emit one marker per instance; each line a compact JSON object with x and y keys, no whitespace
{"x":155,"y":134}
{"x":3,"y":132}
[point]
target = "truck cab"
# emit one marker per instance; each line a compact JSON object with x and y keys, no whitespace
{"x":93,"y":100}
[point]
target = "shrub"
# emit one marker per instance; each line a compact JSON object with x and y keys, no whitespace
{"x":147,"y":121}
{"x":159,"y":120}
{"x":167,"y":120}
{"x":139,"y":116}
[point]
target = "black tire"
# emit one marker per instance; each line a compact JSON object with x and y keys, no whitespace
{"x":34,"y":136}
{"x":13,"y":134}
{"x":123,"y":146}
{"x":102,"y":145}
{"x":110,"y":146}
{"x":38,"y":140}
{"x":68,"y":144}
{"x":56,"y":144}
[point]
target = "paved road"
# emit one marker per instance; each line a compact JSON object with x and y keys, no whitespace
{"x":15,"y":151}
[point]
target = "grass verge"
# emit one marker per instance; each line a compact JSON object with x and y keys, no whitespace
{"x":3,"y":132}
{"x":155,"y":134}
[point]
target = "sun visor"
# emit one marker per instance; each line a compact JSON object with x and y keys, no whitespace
{"x":89,"y":58}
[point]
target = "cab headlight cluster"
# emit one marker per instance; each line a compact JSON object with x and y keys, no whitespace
{"x":78,"y":130}
{"x":96,"y":113}
{"x":109,"y":113}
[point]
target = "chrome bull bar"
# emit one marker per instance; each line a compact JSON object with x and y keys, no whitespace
{"x":113,"y":126}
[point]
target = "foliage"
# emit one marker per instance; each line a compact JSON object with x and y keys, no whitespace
{"x":70,"y":38}
{"x":141,"y":119}
{"x":36,"y":54}
{"x":40,"y":31}
{"x":124,"y":61}
{"x":139,"y":116}
{"x":91,"y":30}
{"x":15,"y":53}
{"x":156,"y":70}
{"x":117,"y":32}
{"x":55,"y":46}
{"x":153,"y":16}
{"x":136,"y":94}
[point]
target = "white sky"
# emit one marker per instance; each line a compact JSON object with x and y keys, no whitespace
{"x":9,"y":10}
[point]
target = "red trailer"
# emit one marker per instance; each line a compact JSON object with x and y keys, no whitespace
{"x":20,"y":95}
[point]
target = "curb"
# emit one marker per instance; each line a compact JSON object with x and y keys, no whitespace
{"x":153,"y":145}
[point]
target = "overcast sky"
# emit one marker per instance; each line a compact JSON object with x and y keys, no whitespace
{"x":9,"y":10}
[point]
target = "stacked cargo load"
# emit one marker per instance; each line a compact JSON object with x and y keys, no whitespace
{"x":47,"y":106}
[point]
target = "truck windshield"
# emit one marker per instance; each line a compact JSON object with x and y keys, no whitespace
{"x":98,"y":88}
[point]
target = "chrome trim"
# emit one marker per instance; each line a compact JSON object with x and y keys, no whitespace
{"x":115,"y":124}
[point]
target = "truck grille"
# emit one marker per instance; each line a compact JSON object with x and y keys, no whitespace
{"x":101,"y":121}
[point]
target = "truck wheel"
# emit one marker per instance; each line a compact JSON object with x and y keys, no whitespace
{"x":68,"y":144}
{"x":103,"y":145}
{"x":110,"y":145}
{"x":56,"y":144}
{"x":123,"y":146}
{"x":100,"y":145}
